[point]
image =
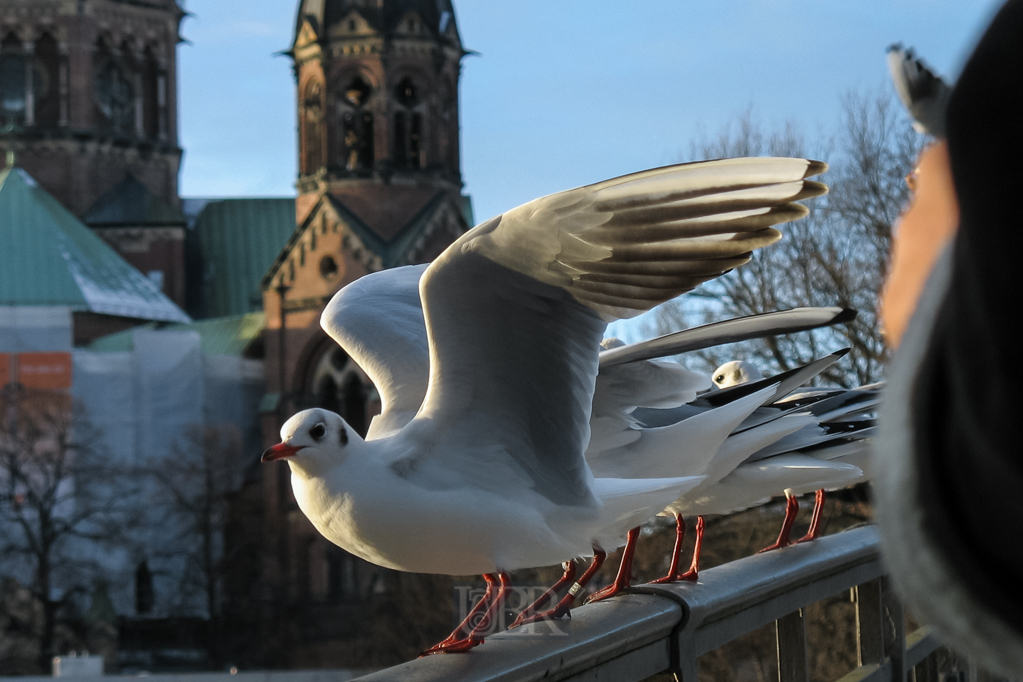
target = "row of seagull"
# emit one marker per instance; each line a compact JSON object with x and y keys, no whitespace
{"x":746,"y":444}
{"x":510,"y":439}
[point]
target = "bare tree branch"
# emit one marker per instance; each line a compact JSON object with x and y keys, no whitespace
{"x":835,"y":256}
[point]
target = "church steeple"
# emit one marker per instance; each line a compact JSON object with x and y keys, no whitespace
{"x":377,"y":93}
{"x":88,"y":92}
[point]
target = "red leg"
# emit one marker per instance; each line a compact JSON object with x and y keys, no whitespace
{"x":693,"y":574}
{"x":815,"y":522}
{"x":479,"y":632}
{"x":466,"y":626}
{"x":569,"y":575}
{"x":566,"y":602}
{"x":623,"y":580}
{"x":676,"y":555}
{"x":791,"y":509}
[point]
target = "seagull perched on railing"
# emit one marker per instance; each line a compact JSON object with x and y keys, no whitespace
{"x":477,"y":465}
{"x":779,"y":444}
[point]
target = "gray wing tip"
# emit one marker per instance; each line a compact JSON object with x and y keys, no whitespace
{"x":812,"y":188}
{"x":815,"y":168}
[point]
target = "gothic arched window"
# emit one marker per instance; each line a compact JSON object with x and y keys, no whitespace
{"x":115,"y":93}
{"x":338,"y":385}
{"x":408,"y":126}
{"x":13,"y":82}
{"x":356,"y":126}
{"x":45,"y":81}
{"x":312,"y":128}
{"x":151,"y":95}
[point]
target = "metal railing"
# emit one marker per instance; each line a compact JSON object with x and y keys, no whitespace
{"x":656,"y":629}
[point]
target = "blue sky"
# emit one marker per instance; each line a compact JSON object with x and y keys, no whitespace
{"x":566,"y":92}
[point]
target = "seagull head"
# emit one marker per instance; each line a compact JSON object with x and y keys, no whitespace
{"x":736,"y":372}
{"x":313,"y":439}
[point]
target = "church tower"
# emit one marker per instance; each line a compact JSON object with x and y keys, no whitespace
{"x":379,"y":181}
{"x":378,"y":102}
{"x":88,"y":95}
{"x":88,"y":107}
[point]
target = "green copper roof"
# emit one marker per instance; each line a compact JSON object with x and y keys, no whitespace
{"x":218,"y":336}
{"x":239,"y":240}
{"x":130,"y":204}
{"x":51,"y":258}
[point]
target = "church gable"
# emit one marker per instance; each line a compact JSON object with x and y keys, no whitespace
{"x":353,"y":25}
{"x":306,"y":36}
{"x":439,"y":229}
{"x":334,"y":246}
{"x":411,"y":25}
{"x":322,"y":255}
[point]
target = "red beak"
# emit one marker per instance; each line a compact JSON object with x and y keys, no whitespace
{"x":280,"y":451}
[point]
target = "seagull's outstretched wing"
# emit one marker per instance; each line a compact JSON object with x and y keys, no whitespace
{"x":727,"y":331}
{"x":515,"y":309}
{"x":378,"y":321}
{"x":625,"y":245}
{"x":922,"y":92}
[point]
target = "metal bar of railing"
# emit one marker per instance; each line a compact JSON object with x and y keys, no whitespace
{"x":790,"y":632}
{"x":666,"y":627}
{"x":869,"y":627}
{"x":894,"y":630}
{"x":919,"y":646}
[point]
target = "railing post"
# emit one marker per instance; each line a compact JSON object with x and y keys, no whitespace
{"x":686,"y":665}
{"x":790,"y":632}
{"x":926,"y":670}
{"x":894,"y":630}
{"x":869,"y":629}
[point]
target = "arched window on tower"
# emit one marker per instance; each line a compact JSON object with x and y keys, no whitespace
{"x":114,"y":92}
{"x":356,"y":126}
{"x":408,"y":126}
{"x":150,"y":95}
{"x":46,"y":82}
{"x":312,"y":128}
{"x":13,"y":82}
{"x":447,"y":130}
{"x":340,"y":386}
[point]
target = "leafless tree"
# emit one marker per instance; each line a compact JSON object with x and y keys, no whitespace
{"x":835,"y":256}
{"x":194,"y":487}
{"x":59,"y":503}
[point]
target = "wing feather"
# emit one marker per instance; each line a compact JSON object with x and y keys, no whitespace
{"x":378,"y":321}
{"x":710,"y":213}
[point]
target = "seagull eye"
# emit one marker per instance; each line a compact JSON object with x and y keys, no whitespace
{"x":318,"y":431}
{"x":719,"y":377}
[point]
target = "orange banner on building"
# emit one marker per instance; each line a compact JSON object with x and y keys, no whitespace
{"x":44,"y":370}
{"x":5,"y":369}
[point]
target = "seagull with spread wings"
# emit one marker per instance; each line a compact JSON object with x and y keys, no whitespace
{"x":482,"y":469}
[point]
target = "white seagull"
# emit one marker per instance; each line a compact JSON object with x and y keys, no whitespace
{"x":483,"y":471}
{"x":924,"y":94}
{"x":746,"y":460}
{"x":736,"y":372}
